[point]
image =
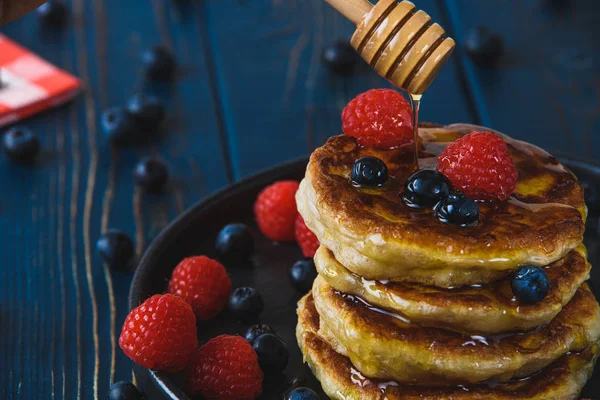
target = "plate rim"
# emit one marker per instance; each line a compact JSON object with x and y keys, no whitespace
{"x":179,"y":222}
{"x":167,"y":235}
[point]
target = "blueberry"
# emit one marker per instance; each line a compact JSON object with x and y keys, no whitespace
{"x":302,"y":274}
{"x":246,"y":303}
{"x":302,"y":393}
{"x":53,"y":13}
{"x":340,"y":57}
{"x":530,"y":284}
{"x":257,"y":330}
{"x":119,"y":126}
{"x":124,"y":391}
{"x":159,"y":63}
{"x":425,"y":188}
{"x":458,"y":209}
{"x":484,"y":46}
{"x":149,"y":111}
{"x":369,"y":171}
{"x":21,"y":145}
{"x":297,"y":382}
{"x":151,"y":174}
{"x":235,"y":242}
{"x":272,"y":352}
{"x":116,"y":249}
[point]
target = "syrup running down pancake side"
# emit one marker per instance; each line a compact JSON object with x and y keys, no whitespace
{"x":385,"y":345}
{"x":375,"y":235}
{"x":477,"y":310}
{"x":563,"y":379}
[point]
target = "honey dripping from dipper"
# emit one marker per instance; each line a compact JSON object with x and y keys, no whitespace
{"x":416,"y":104}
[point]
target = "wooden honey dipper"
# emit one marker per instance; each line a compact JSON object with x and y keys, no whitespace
{"x":400,"y":42}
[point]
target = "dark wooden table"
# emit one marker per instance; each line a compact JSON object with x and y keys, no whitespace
{"x":252,"y":93}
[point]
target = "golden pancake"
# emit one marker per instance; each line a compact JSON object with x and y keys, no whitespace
{"x":375,"y":235}
{"x":491,"y":308}
{"x":562,"y":380}
{"x":384,"y":345}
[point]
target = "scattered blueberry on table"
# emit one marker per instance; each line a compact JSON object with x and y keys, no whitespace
{"x":20,"y":145}
{"x":246,"y":303}
{"x":159,"y":63}
{"x":273,"y":354}
{"x":116,"y":249}
{"x":369,"y":171}
{"x":425,"y":188}
{"x":149,"y":111}
{"x":340,"y":57}
{"x":119,"y":126}
{"x":235,"y":242}
{"x":53,"y":13}
{"x":302,"y":393}
{"x":530,"y":284}
{"x":151,"y":174}
{"x":302,"y":275}
{"x":484,"y":46}
{"x":257,"y":330}
{"x":124,"y":391}
{"x":458,"y":209}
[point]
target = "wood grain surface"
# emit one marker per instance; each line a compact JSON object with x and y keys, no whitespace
{"x":251,"y":92}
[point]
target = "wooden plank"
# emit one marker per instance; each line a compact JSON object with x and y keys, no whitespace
{"x":33,"y":284}
{"x":61,"y":296}
{"x":278,"y":100}
{"x":546,"y":89}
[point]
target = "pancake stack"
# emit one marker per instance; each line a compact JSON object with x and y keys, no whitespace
{"x":408,"y":307}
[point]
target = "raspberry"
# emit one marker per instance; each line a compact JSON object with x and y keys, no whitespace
{"x":160,"y":333}
{"x":275,"y":210}
{"x":379,"y":118}
{"x":204,"y":284}
{"x":306,"y":239}
{"x":225,"y":368}
{"x":480,"y":165}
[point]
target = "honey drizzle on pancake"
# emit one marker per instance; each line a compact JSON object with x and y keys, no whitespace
{"x":320,"y":353}
{"x":416,"y":105}
{"x":361,"y":381}
{"x":469,"y":339}
{"x":385,"y":202}
{"x":495,"y":294}
{"x":371,"y":307}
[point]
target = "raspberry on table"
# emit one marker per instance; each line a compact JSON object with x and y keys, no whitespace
{"x":380,"y":118}
{"x":204,"y":284}
{"x":275,"y":211}
{"x":160,"y":333}
{"x":225,"y":368}
{"x":307,"y":240}
{"x":480,"y":165}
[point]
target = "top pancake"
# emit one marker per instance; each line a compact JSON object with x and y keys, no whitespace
{"x":375,"y":235}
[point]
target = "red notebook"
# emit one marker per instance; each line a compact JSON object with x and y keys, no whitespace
{"x":30,"y":84}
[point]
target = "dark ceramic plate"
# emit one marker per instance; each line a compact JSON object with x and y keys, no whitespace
{"x":194,"y":233}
